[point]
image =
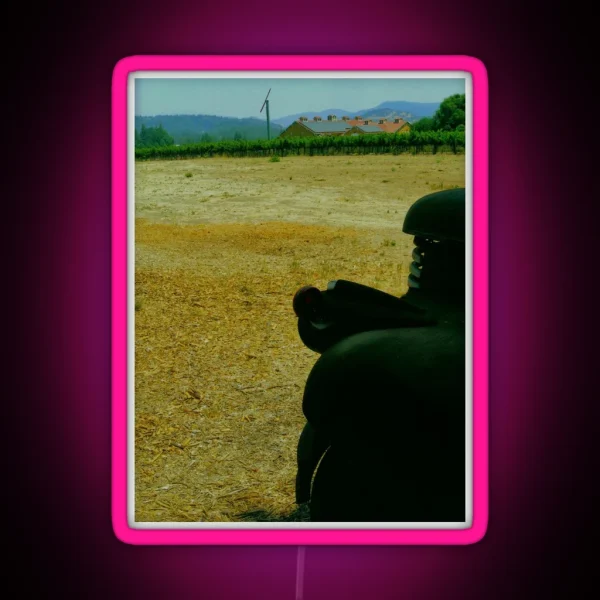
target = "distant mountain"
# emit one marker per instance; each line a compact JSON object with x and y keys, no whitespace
{"x":409,"y":111}
{"x":417,"y":109}
{"x":388,"y":113}
{"x":187,"y":129}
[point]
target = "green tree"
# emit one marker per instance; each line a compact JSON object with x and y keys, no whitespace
{"x":424,"y":124}
{"x":450,"y":114}
{"x":153,"y":137}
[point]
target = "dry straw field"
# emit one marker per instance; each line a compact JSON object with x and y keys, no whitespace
{"x":221,"y":245}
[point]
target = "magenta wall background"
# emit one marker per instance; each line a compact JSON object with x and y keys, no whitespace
{"x":58,"y":217}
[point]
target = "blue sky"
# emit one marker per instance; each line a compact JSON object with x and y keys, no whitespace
{"x":244,"y":97}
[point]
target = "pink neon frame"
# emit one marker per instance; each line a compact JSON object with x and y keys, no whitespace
{"x":480,"y":300}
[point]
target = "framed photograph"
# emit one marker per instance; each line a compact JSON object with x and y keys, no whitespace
{"x":300,"y":300}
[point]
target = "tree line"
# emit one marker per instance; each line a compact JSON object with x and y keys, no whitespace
{"x":450,"y":116}
{"x":153,"y":137}
{"x":385,"y":143}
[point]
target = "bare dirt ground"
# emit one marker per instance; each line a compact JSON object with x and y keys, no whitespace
{"x":219,"y":366}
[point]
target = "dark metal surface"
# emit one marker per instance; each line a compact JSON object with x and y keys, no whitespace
{"x":347,"y":308}
{"x":438,"y":216}
{"x":311,"y":448}
{"x":385,"y":401}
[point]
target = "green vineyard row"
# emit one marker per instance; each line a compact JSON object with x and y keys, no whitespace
{"x":417,"y":141}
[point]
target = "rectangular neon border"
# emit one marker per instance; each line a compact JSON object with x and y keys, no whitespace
{"x":121,"y":526}
{"x":363,"y":77}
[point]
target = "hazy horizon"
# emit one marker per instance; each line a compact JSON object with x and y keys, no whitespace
{"x":243,"y":98}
